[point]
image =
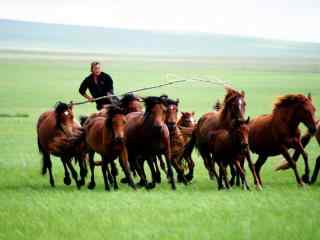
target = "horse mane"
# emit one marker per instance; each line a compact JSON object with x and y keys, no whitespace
{"x":59,"y":108}
{"x":289,"y":100}
{"x":150,"y":101}
{"x":127,"y":98}
{"x":113,"y":110}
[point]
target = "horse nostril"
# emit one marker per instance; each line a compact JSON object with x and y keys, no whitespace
{"x":171,"y":126}
{"x":313,"y":129}
{"x":119,"y":140}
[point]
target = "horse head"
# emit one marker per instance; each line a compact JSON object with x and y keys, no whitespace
{"x":187,"y":119}
{"x":116,"y":121}
{"x":234,"y":103}
{"x":156,"y":109}
{"x":240,"y":133}
{"x":63,"y":114}
{"x":172,"y":114}
{"x":131,"y":103}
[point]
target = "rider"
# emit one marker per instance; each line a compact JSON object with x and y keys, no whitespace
{"x":99,"y":84}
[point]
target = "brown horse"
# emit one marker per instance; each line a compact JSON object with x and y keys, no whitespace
{"x":275,"y":133}
{"x":233,"y":108}
{"x":105,"y":135}
{"x":131,"y":103}
{"x":148,"y":136}
{"x":178,"y":140}
{"x":55,"y":129}
{"x":229,"y":147}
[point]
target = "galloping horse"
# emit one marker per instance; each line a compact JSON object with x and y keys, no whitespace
{"x":233,"y":108}
{"x":229,"y":147}
{"x":147,"y":136}
{"x":275,"y":133}
{"x":131,"y":103}
{"x":55,"y":129}
{"x":105,"y":135}
{"x":178,"y":140}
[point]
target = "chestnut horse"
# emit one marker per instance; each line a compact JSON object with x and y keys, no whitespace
{"x":275,"y":133}
{"x":148,"y":136}
{"x":131,"y":103}
{"x":229,"y":147}
{"x":178,"y":140}
{"x":233,"y":108}
{"x":105,"y":135}
{"x":54,"y":130}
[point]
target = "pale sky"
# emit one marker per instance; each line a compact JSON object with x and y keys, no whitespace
{"x":297,"y":20}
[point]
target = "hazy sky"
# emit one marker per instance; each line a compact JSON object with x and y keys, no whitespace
{"x":279,"y":19}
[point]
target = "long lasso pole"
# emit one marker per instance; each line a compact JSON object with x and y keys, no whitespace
{"x":133,"y":91}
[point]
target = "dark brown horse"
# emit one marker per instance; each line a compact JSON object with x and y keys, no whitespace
{"x":105,"y":135}
{"x":229,"y":147}
{"x":275,"y":133}
{"x":148,"y":136}
{"x":233,"y":108}
{"x":55,"y":129}
{"x":131,"y":103}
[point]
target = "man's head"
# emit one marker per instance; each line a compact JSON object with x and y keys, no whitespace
{"x":96,"y":68}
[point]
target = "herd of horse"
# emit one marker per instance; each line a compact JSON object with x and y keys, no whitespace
{"x":158,"y":134}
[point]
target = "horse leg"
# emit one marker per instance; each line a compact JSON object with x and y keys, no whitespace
{"x":209,"y":164}
{"x":114,"y":173}
{"x":242,"y":175}
{"x":253,"y":168}
{"x":66,"y":179}
{"x":143,"y":178}
{"x":300,"y":149}
{"x":257,"y":167}
{"x":83,"y":169}
{"x":47,"y":159}
{"x":219,"y":178}
{"x":158,"y":173}
{"x":124,"y":163}
{"x":190,"y":162}
{"x":166,"y":142}
{"x":92,"y":183}
{"x":292,"y":163}
{"x":179,"y":169}
{"x":73,"y":173}
{"x":162,"y":164}
{"x":104,"y":168}
{"x":153,"y":172}
{"x":110,"y":176}
{"x":233,"y":172}
{"x":315,"y":171}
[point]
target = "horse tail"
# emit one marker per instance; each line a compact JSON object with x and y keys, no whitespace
{"x":83,"y":119}
{"x":45,"y":159}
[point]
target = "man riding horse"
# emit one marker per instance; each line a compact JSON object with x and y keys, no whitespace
{"x":99,"y":84}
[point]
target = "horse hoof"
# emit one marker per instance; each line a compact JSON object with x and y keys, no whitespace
{"x":189,"y":177}
{"x":150,"y":185}
{"x":82,"y":182}
{"x":158,"y":178}
{"x":124,"y":180}
{"x":91,"y":185}
{"x":67,"y":181}
{"x":52,"y":183}
{"x":78,"y":185}
{"x":305,"y":178}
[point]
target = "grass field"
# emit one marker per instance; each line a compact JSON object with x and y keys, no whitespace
{"x":31,"y":209}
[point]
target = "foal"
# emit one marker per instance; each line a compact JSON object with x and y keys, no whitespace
{"x":228,"y":148}
{"x":54,"y":132}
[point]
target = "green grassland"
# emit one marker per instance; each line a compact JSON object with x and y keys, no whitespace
{"x":31,"y":209}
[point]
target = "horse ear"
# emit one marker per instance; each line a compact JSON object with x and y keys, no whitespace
{"x":177,"y":101}
{"x":248,"y":120}
{"x":193,"y":113}
{"x":309,"y":96}
{"x":242,"y":93}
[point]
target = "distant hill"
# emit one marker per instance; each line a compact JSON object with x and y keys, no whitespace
{"x":30,"y":35}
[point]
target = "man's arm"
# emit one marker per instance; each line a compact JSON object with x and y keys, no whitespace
{"x":83,"y":89}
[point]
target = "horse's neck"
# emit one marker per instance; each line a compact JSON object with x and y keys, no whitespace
{"x":107,"y":135}
{"x":225,"y":119}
